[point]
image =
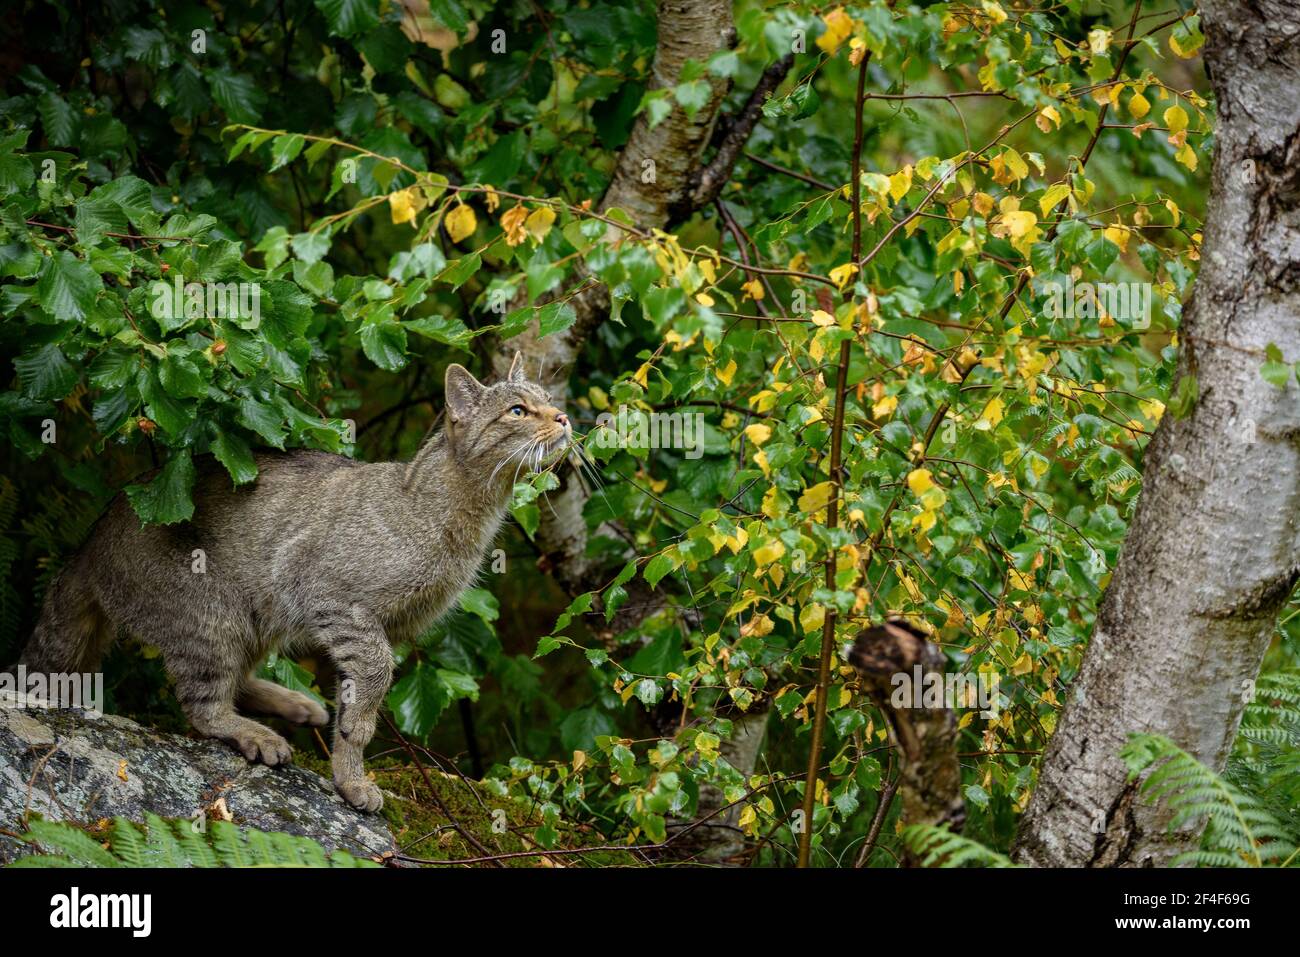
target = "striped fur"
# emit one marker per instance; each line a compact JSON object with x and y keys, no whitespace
{"x":320,"y":552}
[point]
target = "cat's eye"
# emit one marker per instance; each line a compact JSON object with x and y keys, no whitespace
{"x":517,"y":410}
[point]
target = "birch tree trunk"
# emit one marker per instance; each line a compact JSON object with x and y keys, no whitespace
{"x":1213,"y":551}
{"x":653,"y":174}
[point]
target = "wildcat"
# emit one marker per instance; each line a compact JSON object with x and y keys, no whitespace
{"x":321,"y":552}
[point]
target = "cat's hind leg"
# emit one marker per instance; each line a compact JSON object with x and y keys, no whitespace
{"x":265,"y":697}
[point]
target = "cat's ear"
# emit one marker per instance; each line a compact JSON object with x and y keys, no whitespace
{"x":516,"y":373}
{"x":463,"y":391}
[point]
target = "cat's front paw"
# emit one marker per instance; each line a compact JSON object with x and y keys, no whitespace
{"x":361,"y":793}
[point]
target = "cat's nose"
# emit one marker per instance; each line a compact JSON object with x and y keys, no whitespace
{"x":563,"y":419}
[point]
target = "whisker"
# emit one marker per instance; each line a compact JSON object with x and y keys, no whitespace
{"x":505,"y":460}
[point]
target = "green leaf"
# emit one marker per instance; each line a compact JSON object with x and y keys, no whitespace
{"x":1275,"y":370}
{"x":58,"y":118}
{"x":693,"y":96}
{"x":45,"y":374}
{"x":173,"y":414}
{"x":234,"y":453}
{"x":658,"y":567}
{"x":418,"y":700}
{"x":68,"y":287}
{"x":185,"y":376}
{"x":311,"y":247}
{"x":459,"y":270}
{"x":445,"y":329}
{"x":347,"y":18}
{"x":236,"y":94}
{"x":263,"y":419}
{"x":555,"y":317}
{"x":481,"y":602}
{"x":166,"y":499}
{"x":16,"y":173}
{"x":285,"y":150}
{"x":384,"y":344}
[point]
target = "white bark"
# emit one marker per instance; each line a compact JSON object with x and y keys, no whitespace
{"x":688,"y":30}
{"x":1213,"y":552}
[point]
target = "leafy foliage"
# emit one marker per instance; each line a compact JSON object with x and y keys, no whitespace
{"x":403,"y":191}
{"x":939,"y":847}
{"x":1240,"y":831}
{"x":165,"y":843}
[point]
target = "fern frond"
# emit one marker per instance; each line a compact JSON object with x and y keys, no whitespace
{"x":940,"y":847}
{"x":77,"y":846}
{"x":1240,"y":830}
{"x":175,"y":844}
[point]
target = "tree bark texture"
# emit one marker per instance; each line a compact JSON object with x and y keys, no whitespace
{"x":654,"y":175}
{"x":1213,"y":552}
{"x":925,"y":738}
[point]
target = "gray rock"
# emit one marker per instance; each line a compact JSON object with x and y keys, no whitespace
{"x":67,"y":764}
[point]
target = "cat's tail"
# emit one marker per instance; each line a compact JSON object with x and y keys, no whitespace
{"x":73,"y":632}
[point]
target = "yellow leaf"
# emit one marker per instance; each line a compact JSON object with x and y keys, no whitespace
{"x":758,"y":433}
{"x":1139,"y":106}
{"x":815,"y":497}
{"x":933,"y":498}
{"x":840,"y":275}
{"x":773,"y":506}
{"x":838,"y":27}
{"x":886,"y":405}
{"x":1118,"y":234}
{"x":1023,"y":665}
{"x":539,"y":222}
{"x":512,"y":221}
{"x":919,"y":480}
{"x":1046,"y":117}
{"x":822,"y":318}
{"x":1176,"y":119}
{"x":461,"y":222}
{"x":994,"y":11}
{"x":403,"y":205}
{"x":1187,"y":156}
{"x":1053,"y":196}
{"x":817,"y":348}
{"x":1016,"y":164}
{"x":991,"y":415}
{"x":725,"y":373}
{"x":1019,"y":222}
{"x":1173,"y":211}
{"x":812,"y":618}
{"x":900,"y":183}
{"x":753,"y":289}
{"x":766,"y":554}
{"x":579,"y":759}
